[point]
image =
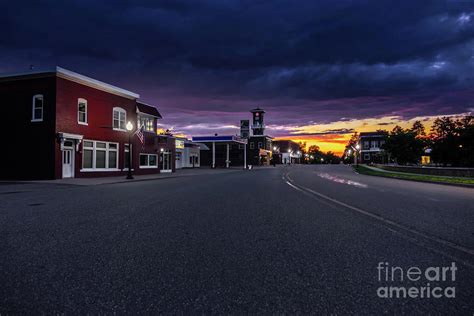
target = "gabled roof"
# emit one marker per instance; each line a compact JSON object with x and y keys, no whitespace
{"x":71,"y":76}
{"x":373,"y":134}
{"x":148,"y":109}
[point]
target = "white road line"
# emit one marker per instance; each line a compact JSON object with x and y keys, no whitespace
{"x":445,"y":243}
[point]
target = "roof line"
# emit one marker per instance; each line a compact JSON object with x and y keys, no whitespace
{"x":76,"y":77}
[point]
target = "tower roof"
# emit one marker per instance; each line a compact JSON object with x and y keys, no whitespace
{"x":257,"y":110}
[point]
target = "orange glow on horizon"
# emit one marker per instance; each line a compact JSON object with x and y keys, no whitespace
{"x":326,"y":136}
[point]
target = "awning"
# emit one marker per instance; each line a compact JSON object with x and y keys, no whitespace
{"x":148,"y":109}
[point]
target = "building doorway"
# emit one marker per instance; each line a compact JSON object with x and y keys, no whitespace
{"x":68,"y":163}
{"x":166,"y":158}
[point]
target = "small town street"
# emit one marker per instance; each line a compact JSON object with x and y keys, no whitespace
{"x":299,"y":238}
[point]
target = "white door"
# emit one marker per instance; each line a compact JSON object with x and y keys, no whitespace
{"x":166,"y":162}
{"x":67,"y":163}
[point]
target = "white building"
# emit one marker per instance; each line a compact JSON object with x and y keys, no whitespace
{"x":188,"y":154}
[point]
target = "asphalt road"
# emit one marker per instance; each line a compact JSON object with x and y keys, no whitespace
{"x":299,"y":239}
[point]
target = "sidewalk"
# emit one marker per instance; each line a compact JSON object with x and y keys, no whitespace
{"x":445,"y":180}
{"x":406,"y":173}
{"x":137,"y":178}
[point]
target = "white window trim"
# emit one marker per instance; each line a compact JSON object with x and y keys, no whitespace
{"x":33,"y":119}
{"x":94,"y":150}
{"x":148,"y":166}
{"x":120,"y":110}
{"x":81,"y":100}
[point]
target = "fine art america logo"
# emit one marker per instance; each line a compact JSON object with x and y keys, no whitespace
{"x":416,"y":282}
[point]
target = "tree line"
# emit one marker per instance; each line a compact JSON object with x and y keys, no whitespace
{"x":450,"y":142}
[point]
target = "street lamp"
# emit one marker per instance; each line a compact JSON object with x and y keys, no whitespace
{"x":274,"y":148}
{"x":129,"y":128}
{"x":355,"y":154}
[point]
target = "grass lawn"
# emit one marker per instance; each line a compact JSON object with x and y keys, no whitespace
{"x":415,"y":177}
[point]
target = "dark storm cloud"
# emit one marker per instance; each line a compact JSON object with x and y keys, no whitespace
{"x":339,"y":131}
{"x":305,"y":61}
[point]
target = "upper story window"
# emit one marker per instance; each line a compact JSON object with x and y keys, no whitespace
{"x":147,"y":122}
{"x":366,"y":144}
{"x":37,"y":108}
{"x":120,"y":117}
{"x":82,"y":111}
{"x":252,"y":145}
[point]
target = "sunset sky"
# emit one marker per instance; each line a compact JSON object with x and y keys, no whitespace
{"x":321,"y":69}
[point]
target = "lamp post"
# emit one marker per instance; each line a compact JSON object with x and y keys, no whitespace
{"x":355,"y":154}
{"x":129,"y":128}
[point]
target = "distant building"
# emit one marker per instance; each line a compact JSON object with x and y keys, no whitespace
{"x":188,"y":153}
{"x":219,"y":151}
{"x":286,"y":152}
{"x":259,"y":144}
{"x":71,"y":126}
{"x":371,"y":147}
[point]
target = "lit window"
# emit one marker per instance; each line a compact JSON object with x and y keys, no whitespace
{"x":120,"y":116}
{"x":99,"y":155}
{"x":147,"y":122}
{"x":82,"y":111}
{"x":148,"y":161}
{"x":37,"y":108}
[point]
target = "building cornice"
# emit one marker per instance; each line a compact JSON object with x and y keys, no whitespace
{"x":71,"y":76}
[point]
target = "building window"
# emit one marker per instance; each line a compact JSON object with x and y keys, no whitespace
{"x":366,"y":144}
{"x":148,"y":161}
{"x":252,"y":145}
{"x":82,"y":111}
{"x":366,"y":156}
{"x":37,"y":108}
{"x":97,"y":155}
{"x":191,"y":160}
{"x":241,"y":146}
{"x":147,"y":122}
{"x":260,"y":145}
{"x":120,"y":116}
{"x":375,"y":144}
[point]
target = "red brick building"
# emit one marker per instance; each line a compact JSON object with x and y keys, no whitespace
{"x":63,"y":124}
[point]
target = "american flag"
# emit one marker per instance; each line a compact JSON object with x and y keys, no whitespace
{"x":139,"y":133}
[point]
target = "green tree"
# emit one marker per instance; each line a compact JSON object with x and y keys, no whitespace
{"x":452,"y":141}
{"x":406,"y":145}
{"x":348,"y":155}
